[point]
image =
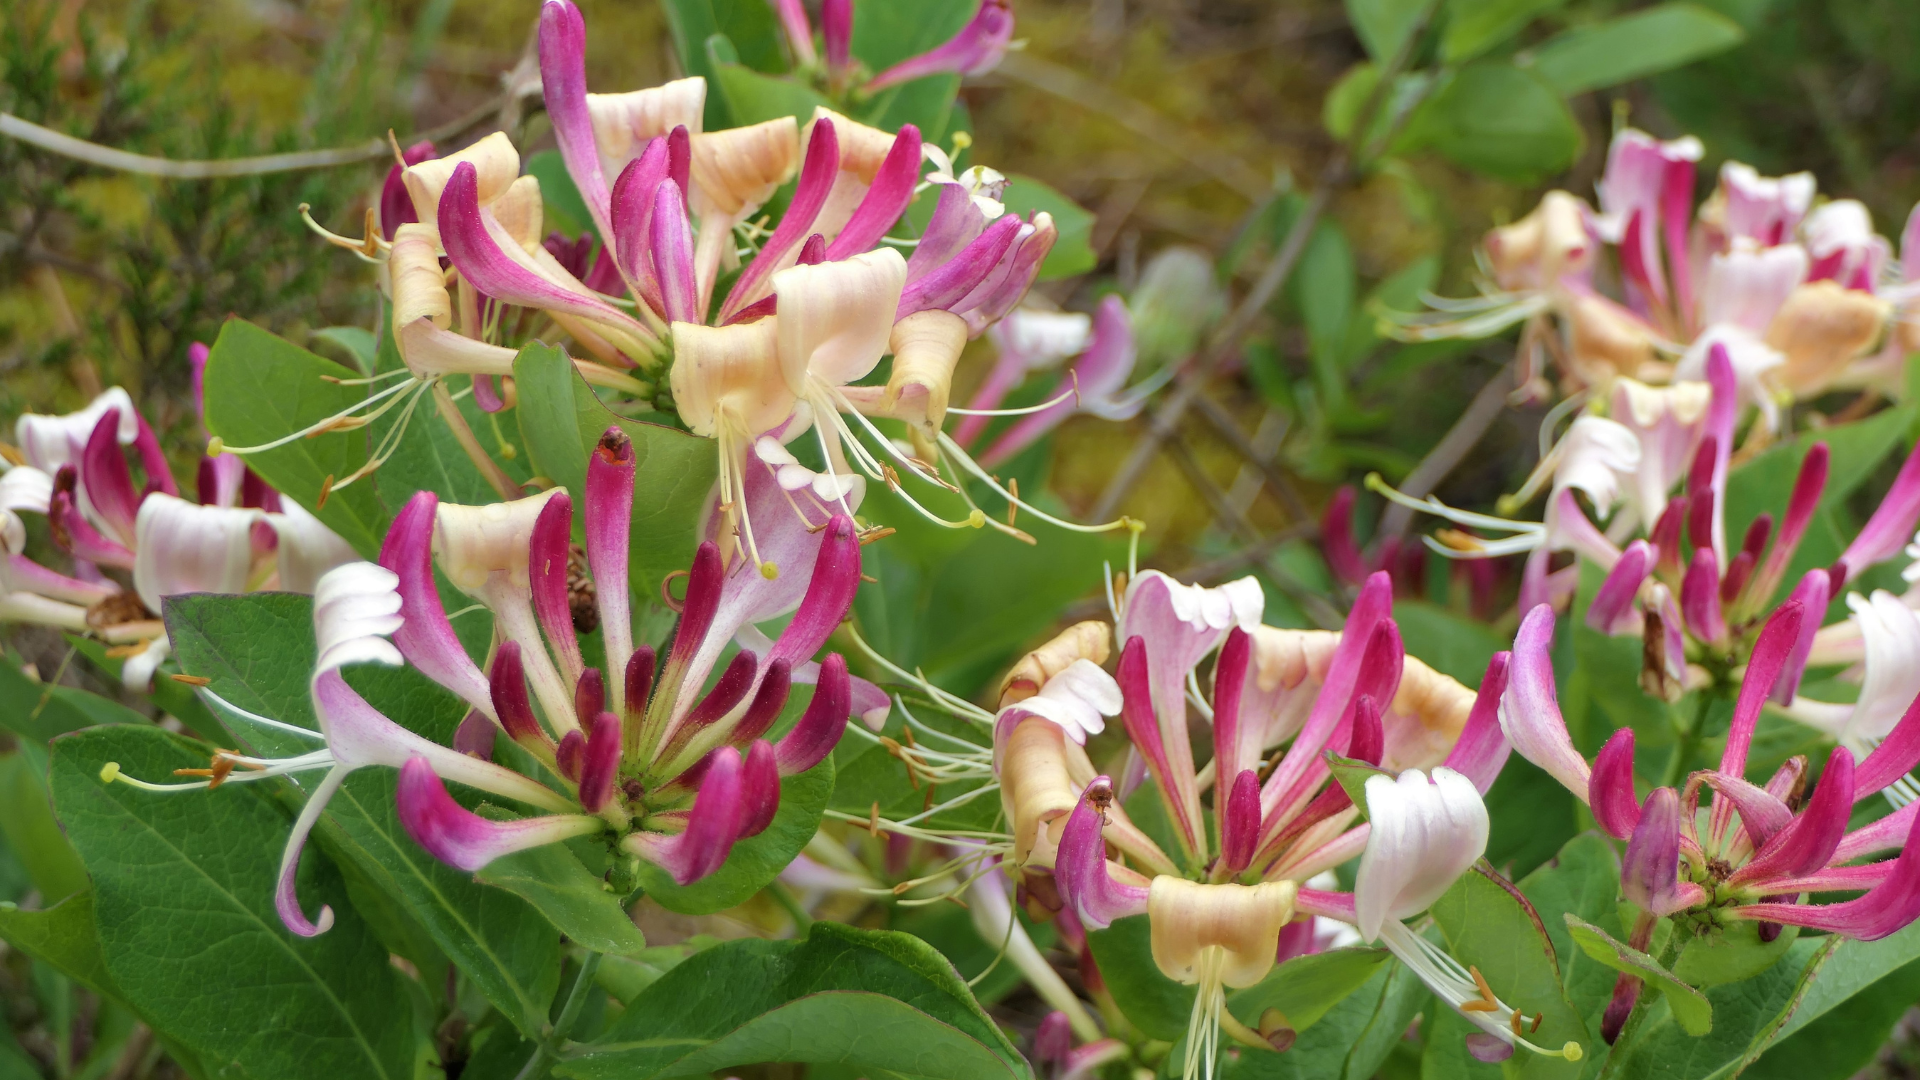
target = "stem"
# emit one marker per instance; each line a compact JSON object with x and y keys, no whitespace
{"x":1687,"y":741}
{"x":544,"y":1055}
{"x":463,"y":434}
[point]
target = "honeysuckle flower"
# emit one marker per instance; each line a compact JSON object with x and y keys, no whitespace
{"x":160,"y":544}
{"x":1096,"y":385}
{"x":1427,"y":831}
{"x":975,"y":50}
{"x":1027,"y":340}
{"x":1794,"y":294}
{"x":1218,"y":901}
{"x":666,"y":770}
{"x":1752,"y":846}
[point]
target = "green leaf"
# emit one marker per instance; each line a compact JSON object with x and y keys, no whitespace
{"x":258,"y":650}
{"x":1383,"y":25}
{"x":961,"y":603}
{"x":870,"y":999}
{"x":1349,"y":1041}
{"x":565,"y":208}
{"x":1072,"y":254}
{"x":1490,"y":925}
{"x":1352,"y":776}
{"x":1745,"y":1017}
{"x":754,"y":861}
{"x":1843,"y":1042}
{"x":1645,"y":42}
{"x":260,"y":388}
{"x":183,"y":893}
{"x":356,"y":342}
{"x":1689,"y":1006}
{"x":1154,"y":1003}
{"x":62,"y":936}
{"x":748,"y":24}
{"x":1451,"y":644}
{"x":561,"y":421}
{"x":554,"y":880}
{"x":1323,"y":292}
{"x":1731,"y":954}
{"x":1474,"y":26}
{"x":39,"y":711}
{"x":1306,"y":988}
{"x":26,"y":821}
{"x":1582,"y":880}
{"x":754,"y":98}
{"x":1499,"y":120}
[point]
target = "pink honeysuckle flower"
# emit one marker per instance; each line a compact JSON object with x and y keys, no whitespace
{"x":1098,"y":378}
{"x":642,"y":747}
{"x":975,"y":50}
{"x":666,"y":771}
{"x":355,"y":608}
{"x":1793,"y":296}
{"x":157,"y":543}
{"x":1028,"y":340}
{"x":1754,"y":845}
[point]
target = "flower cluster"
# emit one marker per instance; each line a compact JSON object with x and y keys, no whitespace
{"x":1803,"y":298}
{"x":131,"y":545}
{"x":641,"y":751}
{"x":1221,"y":902}
{"x":824,"y":297}
{"x":1760,"y":847}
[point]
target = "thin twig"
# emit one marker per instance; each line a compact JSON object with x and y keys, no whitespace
{"x":1339,"y":172}
{"x":1137,"y":117}
{"x":107,"y":157}
{"x":1316,"y":606}
{"x":1451,"y":449}
{"x":1224,"y":424}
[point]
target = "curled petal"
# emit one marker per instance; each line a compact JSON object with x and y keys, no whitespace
{"x":820,"y":727}
{"x":712,"y":826}
{"x":1615,"y":806}
{"x":461,"y":838}
{"x":286,"y":897}
{"x":1425,"y":834}
{"x":1530,"y":709}
{"x":181,"y":548}
{"x":1809,"y":842}
{"x":760,"y":784}
{"x":1649,"y":874}
{"x":425,"y":637}
{"x":1081,"y":869}
{"x":817,"y":174}
{"x":835,"y":319}
{"x":1612,"y":610}
{"x":1481,"y":750}
{"x":105,"y":478}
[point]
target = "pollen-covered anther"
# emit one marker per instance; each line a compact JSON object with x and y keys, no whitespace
{"x":224,"y":762}
{"x":1458,"y":540}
